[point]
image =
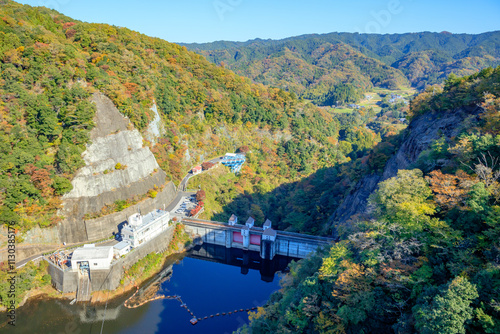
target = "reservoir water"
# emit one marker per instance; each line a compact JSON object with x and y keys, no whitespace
{"x":210,"y":279}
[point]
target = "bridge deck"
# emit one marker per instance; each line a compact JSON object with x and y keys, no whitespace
{"x":258,"y":230}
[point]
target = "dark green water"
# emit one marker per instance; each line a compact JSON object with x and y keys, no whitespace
{"x":210,"y":279}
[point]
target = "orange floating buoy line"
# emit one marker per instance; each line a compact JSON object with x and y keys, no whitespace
{"x":194,"y":320}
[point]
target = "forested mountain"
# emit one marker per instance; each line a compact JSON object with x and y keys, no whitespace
{"x":50,"y":65}
{"x":426,"y":259}
{"x":311,"y":65}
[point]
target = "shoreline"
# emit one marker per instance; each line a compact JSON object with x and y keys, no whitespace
{"x":101,"y":297}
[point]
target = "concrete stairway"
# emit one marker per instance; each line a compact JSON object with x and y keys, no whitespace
{"x":83,"y":291}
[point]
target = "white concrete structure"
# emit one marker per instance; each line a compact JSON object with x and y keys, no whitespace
{"x":141,"y":229}
{"x":121,"y":248}
{"x":267,"y":224}
{"x":233,"y":220}
{"x":269,"y":234}
{"x":95,"y":257}
{"x":250,"y":222}
{"x":245,"y":233}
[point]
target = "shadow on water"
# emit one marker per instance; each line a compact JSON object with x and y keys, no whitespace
{"x":210,"y":279}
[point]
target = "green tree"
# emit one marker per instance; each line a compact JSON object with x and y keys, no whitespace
{"x":449,"y":310}
{"x":404,"y":199}
{"x":61,"y":185}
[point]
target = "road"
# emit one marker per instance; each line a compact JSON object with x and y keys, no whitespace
{"x":170,"y":207}
{"x":34,"y":257}
{"x":185,"y":180}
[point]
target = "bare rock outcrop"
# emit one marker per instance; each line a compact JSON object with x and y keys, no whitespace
{"x":118,"y":167}
{"x":419,"y":135}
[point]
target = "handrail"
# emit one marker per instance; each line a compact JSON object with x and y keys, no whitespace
{"x":282,"y":233}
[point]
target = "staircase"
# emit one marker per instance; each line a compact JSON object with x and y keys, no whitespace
{"x":83,"y":291}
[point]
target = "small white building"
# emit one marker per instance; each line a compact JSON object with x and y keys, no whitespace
{"x":233,"y":220}
{"x":93,"y":257}
{"x":121,"y":248}
{"x":250,"y":222}
{"x":269,"y":234}
{"x":267,"y":224}
{"x":141,"y":229}
{"x":196,"y":170}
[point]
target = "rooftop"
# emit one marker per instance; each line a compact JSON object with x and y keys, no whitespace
{"x":147,"y":219}
{"x":250,"y":221}
{"x":91,"y":253}
{"x":121,"y":245}
{"x":270,"y":232}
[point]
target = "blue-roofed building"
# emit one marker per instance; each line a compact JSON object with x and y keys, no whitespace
{"x":233,"y":161}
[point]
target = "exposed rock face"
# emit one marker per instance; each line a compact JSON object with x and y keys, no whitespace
{"x":155,"y":128}
{"x":101,"y":157}
{"x":99,"y":183}
{"x":419,"y":135}
{"x":39,"y":235}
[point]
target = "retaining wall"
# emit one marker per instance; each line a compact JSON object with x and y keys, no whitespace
{"x":75,"y":229}
{"x":67,"y":281}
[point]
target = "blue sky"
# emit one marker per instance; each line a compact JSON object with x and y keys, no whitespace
{"x":240,"y":20}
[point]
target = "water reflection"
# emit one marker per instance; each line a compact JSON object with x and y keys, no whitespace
{"x":210,"y":279}
{"x":243,"y":259}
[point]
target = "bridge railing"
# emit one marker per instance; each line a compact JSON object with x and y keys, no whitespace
{"x":306,"y":236}
{"x":282,"y":233}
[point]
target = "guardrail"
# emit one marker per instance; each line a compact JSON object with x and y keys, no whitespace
{"x":35,"y":259}
{"x":98,"y":241}
{"x":282,"y":233}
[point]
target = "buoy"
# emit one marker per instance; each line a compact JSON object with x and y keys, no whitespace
{"x":193,"y":321}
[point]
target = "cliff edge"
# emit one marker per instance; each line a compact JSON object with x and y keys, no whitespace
{"x":418,"y":137}
{"x":118,"y":167}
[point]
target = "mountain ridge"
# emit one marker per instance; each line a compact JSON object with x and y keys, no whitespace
{"x":432,"y":56}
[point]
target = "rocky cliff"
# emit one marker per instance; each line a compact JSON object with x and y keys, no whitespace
{"x":118,"y":167}
{"x":418,"y":137}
